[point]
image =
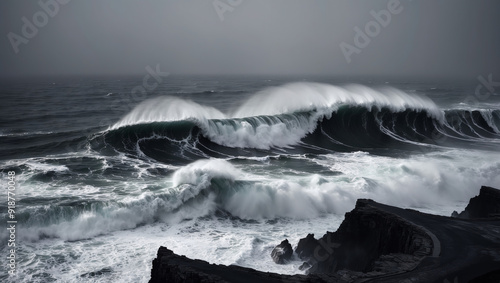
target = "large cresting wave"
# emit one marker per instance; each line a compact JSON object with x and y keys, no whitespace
{"x":297,"y":118}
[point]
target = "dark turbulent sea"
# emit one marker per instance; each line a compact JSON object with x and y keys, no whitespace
{"x":223,"y":169}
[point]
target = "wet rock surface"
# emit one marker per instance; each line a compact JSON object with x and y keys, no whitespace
{"x":282,"y":253}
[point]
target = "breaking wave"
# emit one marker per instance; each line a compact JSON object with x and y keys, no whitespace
{"x":297,"y":118}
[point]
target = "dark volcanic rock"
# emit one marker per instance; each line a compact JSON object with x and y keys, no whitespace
{"x":485,"y":205}
{"x":490,"y":277}
{"x":306,"y":246}
{"x":304,"y":266}
{"x":282,"y":252}
{"x":172,"y":268}
{"x":365,"y":234}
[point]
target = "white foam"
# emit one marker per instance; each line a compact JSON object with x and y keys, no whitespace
{"x":37,"y":164}
{"x":257,"y":198}
{"x":202,"y":171}
{"x":2,"y":134}
{"x":278,"y":133}
{"x":431,"y":180}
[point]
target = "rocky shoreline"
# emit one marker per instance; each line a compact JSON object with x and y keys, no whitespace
{"x":376,"y":243}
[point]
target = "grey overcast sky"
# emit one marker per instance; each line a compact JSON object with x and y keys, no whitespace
{"x":445,"y":38}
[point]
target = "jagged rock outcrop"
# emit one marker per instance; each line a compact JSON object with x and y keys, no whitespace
{"x":282,"y":252}
{"x":172,"y":268}
{"x":485,"y":205}
{"x":306,"y":246}
{"x":364,"y":236}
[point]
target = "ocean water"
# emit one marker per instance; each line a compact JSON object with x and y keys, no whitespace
{"x":224,"y":168}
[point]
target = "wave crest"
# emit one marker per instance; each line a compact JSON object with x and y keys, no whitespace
{"x":276,"y":117}
{"x":167,"y":109}
{"x":302,"y":96}
{"x":286,"y":99}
